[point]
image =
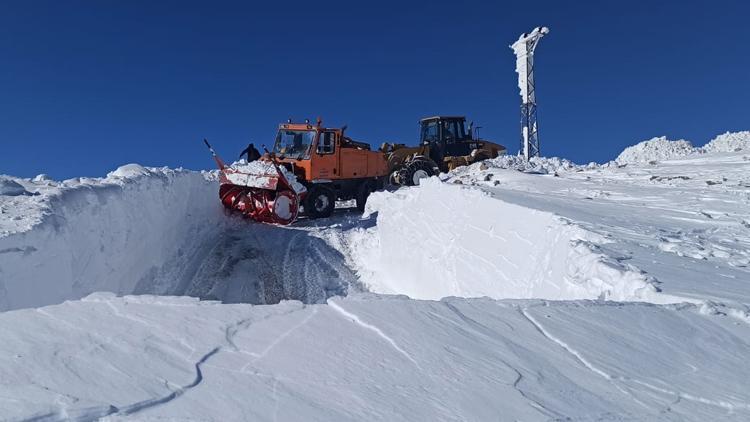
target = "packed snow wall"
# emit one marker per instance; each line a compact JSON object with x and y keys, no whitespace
{"x":152,"y":231}
{"x":440,"y":239}
{"x":106,"y":234}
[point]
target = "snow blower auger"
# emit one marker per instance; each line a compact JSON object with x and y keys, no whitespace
{"x":259,"y":190}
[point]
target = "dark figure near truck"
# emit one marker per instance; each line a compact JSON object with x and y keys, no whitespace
{"x":251,"y":152}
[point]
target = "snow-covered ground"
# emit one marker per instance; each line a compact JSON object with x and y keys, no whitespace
{"x":505,"y":291}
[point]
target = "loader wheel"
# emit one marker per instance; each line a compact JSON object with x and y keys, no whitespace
{"x":393,"y":178}
{"x":320,"y":202}
{"x":415,"y":171}
{"x":364,"y":190}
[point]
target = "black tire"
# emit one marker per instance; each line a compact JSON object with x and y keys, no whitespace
{"x":363,"y":191}
{"x":320,"y":202}
{"x":415,"y":170}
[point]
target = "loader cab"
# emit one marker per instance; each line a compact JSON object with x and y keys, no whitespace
{"x":446,"y":136}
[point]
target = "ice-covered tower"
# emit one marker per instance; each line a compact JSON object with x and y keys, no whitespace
{"x":524,"y":51}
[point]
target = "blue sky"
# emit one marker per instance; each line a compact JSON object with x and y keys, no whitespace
{"x":88,"y":86}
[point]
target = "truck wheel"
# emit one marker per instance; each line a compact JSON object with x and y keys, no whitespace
{"x":320,"y":202}
{"x":364,"y":191}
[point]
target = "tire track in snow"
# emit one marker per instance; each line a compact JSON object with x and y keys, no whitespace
{"x":354,"y":318}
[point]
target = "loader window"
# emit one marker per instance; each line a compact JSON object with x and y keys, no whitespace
{"x":294,"y":143}
{"x":461,"y":130}
{"x":429,"y":132}
{"x":450,"y":132}
{"x":326,"y":143}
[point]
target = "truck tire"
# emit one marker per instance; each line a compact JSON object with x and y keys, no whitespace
{"x":320,"y":202}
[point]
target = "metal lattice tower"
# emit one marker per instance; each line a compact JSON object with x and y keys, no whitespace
{"x":524,"y":51}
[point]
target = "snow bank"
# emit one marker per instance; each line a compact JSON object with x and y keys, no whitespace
{"x":440,"y":240}
{"x":729,"y":142}
{"x":129,"y":171}
{"x":110,"y":234}
{"x":655,"y":149}
{"x":661,"y":148}
{"x":541,"y":165}
{"x":9,"y":187}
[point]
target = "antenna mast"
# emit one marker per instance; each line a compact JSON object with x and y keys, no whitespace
{"x":524,"y":51}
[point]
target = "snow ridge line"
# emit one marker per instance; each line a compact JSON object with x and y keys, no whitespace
{"x":354,"y":318}
{"x":229,"y":333}
{"x":680,"y":395}
{"x":562,"y":344}
{"x":145,"y":404}
{"x":96,"y":413}
{"x":276,"y":341}
{"x":482,"y":330}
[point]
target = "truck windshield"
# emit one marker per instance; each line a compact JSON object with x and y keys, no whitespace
{"x":293,"y":143}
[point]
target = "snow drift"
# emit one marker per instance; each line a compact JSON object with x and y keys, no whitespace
{"x":729,"y":142}
{"x":440,"y":240}
{"x":9,"y":187}
{"x":655,"y":149}
{"x":661,"y":148}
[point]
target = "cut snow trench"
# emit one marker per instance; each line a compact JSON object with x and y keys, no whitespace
{"x":440,"y":240}
{"x":156,"y":231}
{"x":161,"y":231}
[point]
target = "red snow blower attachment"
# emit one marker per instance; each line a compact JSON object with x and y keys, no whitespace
{"x":259,"y":190}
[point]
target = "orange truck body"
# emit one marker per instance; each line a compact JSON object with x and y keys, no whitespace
{"x":333,"y":167}
{"x":348,"y":160}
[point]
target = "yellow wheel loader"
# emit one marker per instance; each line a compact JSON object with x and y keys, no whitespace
{"x":444,"y":145}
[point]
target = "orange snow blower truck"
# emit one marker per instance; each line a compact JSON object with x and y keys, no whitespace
{"x":309,"y":165}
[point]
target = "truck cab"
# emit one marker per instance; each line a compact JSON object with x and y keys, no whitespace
{"x":330,"y":164}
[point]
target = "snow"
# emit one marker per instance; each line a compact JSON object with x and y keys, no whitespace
{"x":129,"y":171}
{"x":9,"y":187}
{"x":595,"y":292}
{"x":111,"y":234}
{"x":488,"y":252}
{"x":254,"y":174}
{"x":655,"y":149}
{"x":729,"y":142}
{"x":521,"y":50}
{"x":661,"y":148}
{"x":539,"y":165}
{"x":371,"y":359}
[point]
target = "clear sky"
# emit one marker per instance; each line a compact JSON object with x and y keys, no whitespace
{"x":88,"y":86}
